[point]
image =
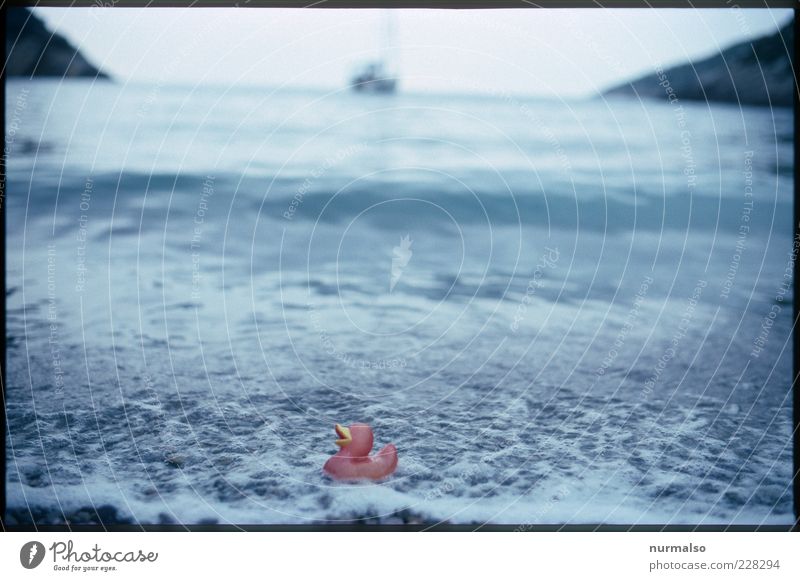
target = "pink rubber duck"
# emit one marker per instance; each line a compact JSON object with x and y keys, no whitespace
{"x":353,"y":461}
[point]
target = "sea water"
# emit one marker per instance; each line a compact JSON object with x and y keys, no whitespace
{"x":559,"y":311}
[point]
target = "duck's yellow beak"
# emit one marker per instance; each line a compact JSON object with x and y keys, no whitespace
{"x":344,"y":435}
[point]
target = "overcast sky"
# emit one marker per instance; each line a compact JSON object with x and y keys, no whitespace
{"x":539,"y":52}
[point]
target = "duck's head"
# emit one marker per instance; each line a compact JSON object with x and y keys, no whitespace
{"x":355,"y":440}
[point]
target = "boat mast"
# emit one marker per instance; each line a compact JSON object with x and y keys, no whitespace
{"x":388,"y":44}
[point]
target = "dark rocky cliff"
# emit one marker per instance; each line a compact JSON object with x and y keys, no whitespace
{"x":32,"y":50}
{"x":755,"y":72}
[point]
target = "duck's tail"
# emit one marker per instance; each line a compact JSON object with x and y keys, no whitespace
{"x":387,"y":459}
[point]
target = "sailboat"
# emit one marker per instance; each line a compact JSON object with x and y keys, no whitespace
{"x":378,"y":76}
